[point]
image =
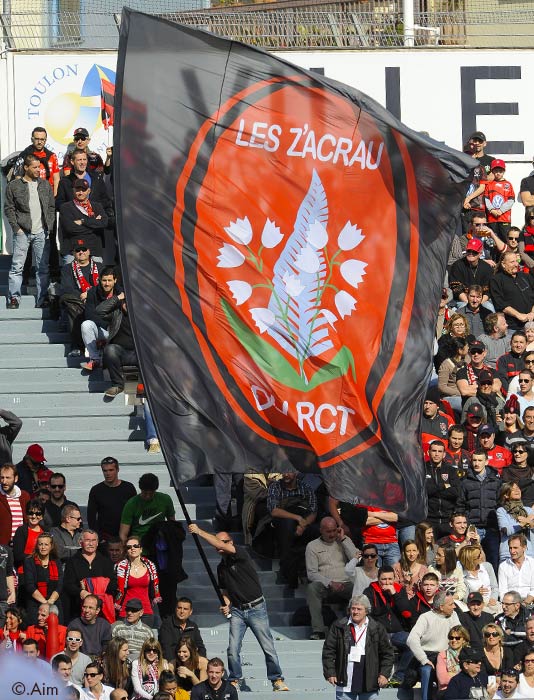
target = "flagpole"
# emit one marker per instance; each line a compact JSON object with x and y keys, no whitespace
{"x":198,"y":543}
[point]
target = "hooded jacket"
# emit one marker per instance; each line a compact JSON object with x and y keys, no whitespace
{"x":392,"y":611}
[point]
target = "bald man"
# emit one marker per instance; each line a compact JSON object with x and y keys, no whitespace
{"x":325,"y":568}
{"x":244,"y":600}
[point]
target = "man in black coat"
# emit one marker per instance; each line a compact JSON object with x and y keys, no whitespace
{"x":470,"y":270}
{"x":175,"y":627}
{"x":357,"y":654}
{"x":94,"y":326}
{"x":8,"y":433}
{"x":474,"y":619}
{"x":82,"y":218}
{"x":441,"y":485}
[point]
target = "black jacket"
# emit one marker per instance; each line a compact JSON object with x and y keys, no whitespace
{"x":379,"y":655}
{"x":392,"y":611}
{"x":99,"y":193}
{"x":462,"y":275}
{"x":442,"y":487}
{"x":91,"y":230}
{"x":77,"y":568}
{"x":460,"y":685}
{"x":69,"y":284}
{"x":171,"y":634}
{"x":95,"y":297}
{"x":479,"y":498}
{"x":517,"y":293}
{"x":8,"y":433}
{"x":474,"y":625}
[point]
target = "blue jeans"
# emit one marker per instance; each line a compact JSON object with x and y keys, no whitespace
{"x":388,"y":554}
{"x":257,"y":620}
{"x":398,"y":640}
{"x":406,"y":533}
{"x":150,"y":428}
{"x":426,"y":673}
{"x":490,"y":540}
{"x":344,"y":695}
{"x":41,"y":250}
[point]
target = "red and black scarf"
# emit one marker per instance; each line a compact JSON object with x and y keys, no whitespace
{"x":53,"y":576}
{"x":86,"y":207}
{"x":82,"y":283}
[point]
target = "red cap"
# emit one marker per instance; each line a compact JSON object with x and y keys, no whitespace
{"x":475,"y":244}
{"x":498,"y":163}
{"x":36,"y":453}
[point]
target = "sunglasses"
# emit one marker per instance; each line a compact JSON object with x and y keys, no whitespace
{"x":525,"y":381}
{"x":73,"y":639}
{"x":457,"y":638}
{"x":529,"y":661}
{"x":369,"y":556}
{"x":80,"y":250}
{"x":473,"y":253}
{"x":133,"y":546}
{"x":476,"y":351}
{"x":485,"y":383}
{"x":36,"y":513}
{"x":517,"y":452}
{"x":132,"y":610}
{"x":80,"y":137}
{"x":57,"y":487}
{"x":491,"y":634}
{"x":529,"y":362}
{"x":75,"y":517}
{"x":91,"y":675}
{"x":151,"y":649}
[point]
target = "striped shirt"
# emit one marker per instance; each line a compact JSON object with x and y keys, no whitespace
{"x":277,"y":493}
{"x":17,"y":518}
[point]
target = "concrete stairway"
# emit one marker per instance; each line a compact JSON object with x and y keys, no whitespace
{"x":64,"y":411}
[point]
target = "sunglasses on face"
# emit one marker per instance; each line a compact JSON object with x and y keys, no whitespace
{"x":35,"y":513}
{"x":524,"y":381}
{"x":472,"y":253}
{"x":57,"y":486}
{"x":451,"y":638}
{"x":80,"y":137}
{"x":476,"y":351}
{"x":132,"y":610}
{"x":486,"y":383}
{"x":91,"y":675}
{"x":517,"y":452}
{"x":81,"y":250}
{"x":154,"y":651}
{"x":73,"y":639}
{"x":369,"y":556}
{"x":133,"y":546}
{"x":491,"y":634}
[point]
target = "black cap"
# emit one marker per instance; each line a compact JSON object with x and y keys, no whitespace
{"x":134,"y":604}
{"x":477,"y":345}
{"x":432,"y":394}
{"x":78,"y":244}
{"x":81,"y":184}
{"x":486,"y":428}
{"x":81,"y":131}
{"x":485,"y":375}
{"x":471,"y":654}
{"x":475,"y":409}
{"x":475,"y":597}
{"x":478,"y":135}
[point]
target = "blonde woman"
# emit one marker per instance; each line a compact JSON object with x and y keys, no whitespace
{"x":479,"y":576}
{"x":448,"y":663}
{"x":146,"y":670}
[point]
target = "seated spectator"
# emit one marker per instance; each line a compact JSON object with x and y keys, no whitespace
{"x":467,"y":376}
{"x":77,"y":278}
{"x":479,"y":576}
{"x":177,"y":626}
{"x":513,"y":517}
{"x":514,"y":244}
{"x":119,"y":350}
{"x":107,"y":500}
{"x":57,"y":501}
{"x":214,"y":686}
{"x":255,"y":515}
{"x":168,"y":688}
{"x":513,"y":619}
{"x":73,"y":644}
{"x":517,"y":570}
{"x":411,"y":568}
{"x":137,"y":579}
{"x":528,"y":643}
{"x":115,"y":549}
{"x":455,"y":352}
{"x":457,"y":536}
{"x":32,"y":471}
{"x":508,"y":685}
{"x":95,"y":327}
{"x":189,"y":667}
{"x":471,"y":677}
{"x":131,"y":628}
{"x":293,"y":507}
{"x":526,"y":679}
{"x":430,"y":635}
{"x":448,"y":661}
{"x":498,"y":457}
{"x":83,"y":218}
{"x":89,"y":570}
{"x":43,"y":577}
{"x":511,"y":363}
{"x":31,"y":651}
{"x":40,"y":632}
{"x":469,"y":270}
{"x":325,"y":568}
{"x":512,"y":424}
{"x":525,"y":393}
{"x":495,"y":338}
{"x":62,"y":665}
{"x":24,"y":544}
{"x":451,"y":578}
{"x":96,"y":631}
{"x":424,"y":539}
{"x":489,"y":398}
{"x":455,"y":454}
{"x":362,"y":576}
{"x":68,"y":535}
{"x":475,"y":618}
{"x":390,"y":607}
{"x":513,"y":292}
{"x":497,"y":657}
{"x":117,"y":665}
{"x":147,"y":669}
{"x":11,"y":634}
{"x":93,"y":686}
{"x":473,"y":310}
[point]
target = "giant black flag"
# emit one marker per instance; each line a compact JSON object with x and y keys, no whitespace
{"x":283,"y":241}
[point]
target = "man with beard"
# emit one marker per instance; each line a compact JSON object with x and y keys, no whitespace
{"x":12,"y":503}
{"x":473,"y":312}
{"x":441,"y":487}
{"x":513,"y":292}
{"x":491,"y":401}
{"x":495,"y":338}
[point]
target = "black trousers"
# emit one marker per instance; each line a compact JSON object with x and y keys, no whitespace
{"x":74,"y":307}
{"x":115,"y":357}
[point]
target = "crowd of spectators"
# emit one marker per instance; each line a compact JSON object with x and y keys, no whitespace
{"x":445,"y":602}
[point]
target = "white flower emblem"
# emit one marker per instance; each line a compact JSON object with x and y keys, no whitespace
{"x":240,"y":231}
{"x":271,"y":235}
{"x":241,"y":291}
{"x":308,"y":260}
{"x":292,"y":284}
{"x":350,"y":237}
{"x":317,"y":235}
{"x":345,"y":303}
{"x":230,"y":256}
{"x":353,"y":271}
{"x":263,"y":318}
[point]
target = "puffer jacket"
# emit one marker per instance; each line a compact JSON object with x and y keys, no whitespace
{"x":479,"y":498}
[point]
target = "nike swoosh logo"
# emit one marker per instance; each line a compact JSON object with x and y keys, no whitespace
{"x":143,"y":521}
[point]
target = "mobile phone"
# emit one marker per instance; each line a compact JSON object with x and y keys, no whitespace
{"x":472,"y":529}
{"x":492,"y":680}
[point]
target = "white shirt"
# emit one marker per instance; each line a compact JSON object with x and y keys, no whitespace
{"x":360,"y":632}
{"x":87,"y":694}
{"x":512,"y":578}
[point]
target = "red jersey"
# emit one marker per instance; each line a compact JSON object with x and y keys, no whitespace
{"x":499,"y":457}
{"x":499,"y":194}
{"x":385,"y":533}
{"x":53,"y":166}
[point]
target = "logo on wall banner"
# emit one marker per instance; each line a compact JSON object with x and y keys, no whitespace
{"x":295,"y":264}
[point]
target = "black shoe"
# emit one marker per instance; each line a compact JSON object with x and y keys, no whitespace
{"x":315,"y":636}
{"x":43,"y":304}
{"x":13,"y":303}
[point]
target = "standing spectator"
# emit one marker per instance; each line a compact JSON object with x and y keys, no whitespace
{"x":137,"y":579}
{"x":43,"y":577}
{"x":325,"y":568}
{"x":29,"y":208}
{"x":214,"y":686}
{"x":12,"y":503}
{"x":479,"y":576}
{"x":107,"y":500}
{"x":89,"y":570}
{"x":456,"y":455}
{"x":131,"y":628}
{"x":96,"y":631}
{"x":528,"y":230}
{"x":363,"y":576}
{"x":8,"y":434}
{"x":293,"y":508}
{"x":68,"y":535}
{"x":82,"y":218}
{"x":425,"y":541}
{"x":82,"y":140}
{"x":513,"y":292}
{"x":144,"y":510}
{"x":499,"y":197}
{"x":357,"y":654}
{"x":177,"y":626}
{"x":57,"y":502}
{"x":495,"y":338}
{"x":147,"y":669}
{"x":516,"y":573}
{"x":478,"y":498}
{"x":475,"y":618}
{"x":65,"y":192}
{"x":49,"y":167}
{"x":243,"y":597}
{"x":476,"y":146}
{"x":513,"y":517}
{"x":7,"y":581}
{"x":448,"y":661}
{"x":442,"y":488}
{"x":435,"y":423}
{"x":526,"y":190}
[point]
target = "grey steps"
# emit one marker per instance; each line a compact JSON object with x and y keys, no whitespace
{"x":20,"y":336}
{"x":38,"y":404}
{"x":53,"y":429}
{"x":38,"y":325}
{"x":51,"y":381}
{"x":276,"y":618}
